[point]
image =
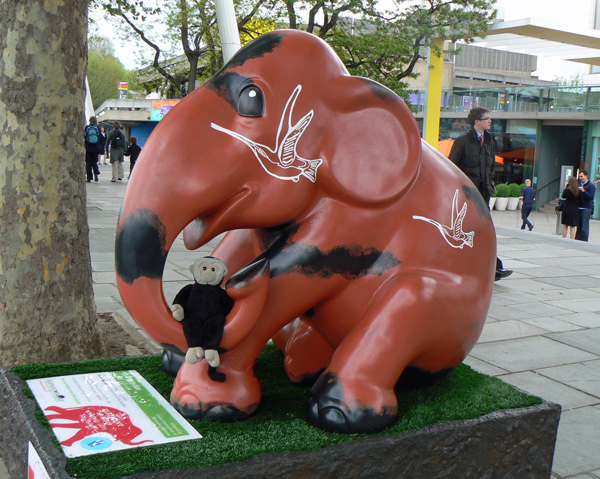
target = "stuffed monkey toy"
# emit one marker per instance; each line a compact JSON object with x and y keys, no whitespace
{"x":202,"y":307}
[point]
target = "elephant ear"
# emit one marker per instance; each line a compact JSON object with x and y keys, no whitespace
{"x":373,"y":150}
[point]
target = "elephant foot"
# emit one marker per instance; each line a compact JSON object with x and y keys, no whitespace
{"x":196,"y":396}
{"x":333,"y":407}
{"x":171,"y":362}
{"x":214,"y":412}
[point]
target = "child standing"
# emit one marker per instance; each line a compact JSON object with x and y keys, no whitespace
{"x":133,"y":152}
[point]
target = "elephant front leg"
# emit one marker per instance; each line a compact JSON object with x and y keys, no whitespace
{"x":195,"y":396}
{"x":239,"y":395}
{"x":236,"y":398}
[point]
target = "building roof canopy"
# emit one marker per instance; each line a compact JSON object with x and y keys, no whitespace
{"x":556,"y":40}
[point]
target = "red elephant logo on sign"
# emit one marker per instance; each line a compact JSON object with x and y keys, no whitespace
{"x":364,"y":253}
{"x":93,"y":420}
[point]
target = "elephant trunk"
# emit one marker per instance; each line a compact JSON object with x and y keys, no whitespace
{"x":141,"y":249}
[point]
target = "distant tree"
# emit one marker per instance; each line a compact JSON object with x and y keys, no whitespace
{"x":382,"y":45}
{"x":101,"y":45}
{"x":190,"y":27}
{"x":104,"y":70}
{"x":386,"y":46}
{"x":256,"y":27}
{"x":575,"y":80}
{"x":47,"y":311}
{"x":321,"y":15}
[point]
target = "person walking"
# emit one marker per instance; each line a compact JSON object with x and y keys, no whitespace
{"x":117,"y":142}
{"x":587,"y":191}
{"x":528,"y":197}
{"x":133,"y":152}
{"x":475,"y":154}
{"x":93,"y":147}
{"x":102,"y":159}
{"x":570,"y":208}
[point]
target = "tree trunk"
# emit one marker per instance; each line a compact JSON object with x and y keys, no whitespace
{"x":47,"y":310}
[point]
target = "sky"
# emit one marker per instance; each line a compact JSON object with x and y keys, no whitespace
{"x":574,"y":14}
{"x":128,"y":52}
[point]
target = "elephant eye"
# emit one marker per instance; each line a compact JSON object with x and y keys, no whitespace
{"x":251,"y":102}
{"x":204,"y":268}
{"x":212,"y":269}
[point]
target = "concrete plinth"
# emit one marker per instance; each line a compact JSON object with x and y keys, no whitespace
{"x":505,"y":444}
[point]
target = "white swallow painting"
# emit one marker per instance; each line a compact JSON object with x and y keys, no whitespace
{"x":453,"y":234}
{"x":283,"y":161}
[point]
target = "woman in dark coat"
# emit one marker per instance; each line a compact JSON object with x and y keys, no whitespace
{"x":570,"y":211}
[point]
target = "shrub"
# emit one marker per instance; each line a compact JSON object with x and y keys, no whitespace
{"x":514,"y":190}
{"x":502,"y":191}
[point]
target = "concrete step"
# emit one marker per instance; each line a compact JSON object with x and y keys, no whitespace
{"x":549,"y":207}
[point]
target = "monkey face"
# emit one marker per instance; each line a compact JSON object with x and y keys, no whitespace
{"x":209,"y":270}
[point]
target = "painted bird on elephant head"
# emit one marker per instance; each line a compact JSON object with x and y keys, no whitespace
{"x":284,"y":156}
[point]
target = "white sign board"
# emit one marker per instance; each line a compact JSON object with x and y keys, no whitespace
{"x":110,"y":411}
{"x":35,"y":466}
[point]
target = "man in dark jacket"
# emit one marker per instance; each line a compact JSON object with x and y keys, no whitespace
{"x":475,"y":154}
{"x":587,"y":192}
{"x":528,"y":197}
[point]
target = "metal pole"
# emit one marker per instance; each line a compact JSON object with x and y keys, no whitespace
{"x":228,"y":30}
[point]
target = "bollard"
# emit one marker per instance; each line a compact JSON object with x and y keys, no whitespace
{"x":558,"y":218}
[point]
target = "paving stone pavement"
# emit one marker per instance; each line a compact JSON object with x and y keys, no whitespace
{"x":542,"y":333}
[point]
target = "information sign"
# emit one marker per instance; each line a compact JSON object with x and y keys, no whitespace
{"x":110,"y":411}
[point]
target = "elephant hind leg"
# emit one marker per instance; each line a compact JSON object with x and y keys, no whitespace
{"x":307,"y":353}
{"x":428,"y":320}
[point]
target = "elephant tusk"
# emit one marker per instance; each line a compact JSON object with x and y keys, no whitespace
{"x":248,"y":288}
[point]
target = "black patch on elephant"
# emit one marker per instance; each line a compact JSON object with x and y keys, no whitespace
{"x":171,"y":361}
{"x":381,"y":91}
{"x":140,"y":247}
{"x":351,"y":261}
{"x":229,"y":85}
{"x":327,"y":410}
{"x":245,"y":275}
{"x":256,"y":49}
{"x":214,"y":412}
{"x":473,"y":194}
{"x":284,"y":231}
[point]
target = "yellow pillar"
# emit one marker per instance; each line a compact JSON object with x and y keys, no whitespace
{"x":433,"y":100}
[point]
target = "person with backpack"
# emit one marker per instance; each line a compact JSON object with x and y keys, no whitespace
{"x":133,"y":152}
{"x":94,"y":141}
{"x":103,"y":154}
{"x":118,"y":143}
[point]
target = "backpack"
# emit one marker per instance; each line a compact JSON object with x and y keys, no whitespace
{"x":91,"y":134}
{"x":118,"y":140}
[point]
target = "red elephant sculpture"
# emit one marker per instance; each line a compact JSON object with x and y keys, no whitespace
{"x":360,"y":249}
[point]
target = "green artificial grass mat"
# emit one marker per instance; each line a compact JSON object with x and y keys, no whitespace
{"x":280,"y":424}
